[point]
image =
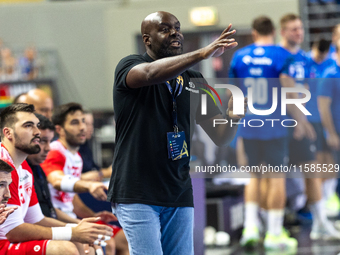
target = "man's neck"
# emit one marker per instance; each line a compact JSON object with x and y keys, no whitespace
{"x":292,"y":48}
{"x":72,"y":149}
{"x":151,"y":54}
{"x":264,"y":41}
{"x":17,"y":155}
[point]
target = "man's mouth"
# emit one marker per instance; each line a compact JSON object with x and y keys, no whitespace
{"x":82,"y":135}
{"x":176,"y":44}
{"x":36,"y":140}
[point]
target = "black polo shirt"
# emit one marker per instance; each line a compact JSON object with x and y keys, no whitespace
{"x":142,"y":171}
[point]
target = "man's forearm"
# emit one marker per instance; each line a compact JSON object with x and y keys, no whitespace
{"x":162,"y":70}
{"x":81,"y":186}
{"x":28,"y":232}
{"x":80,"y":209}
{"x":50,"y":222}
{"x":324,"y":106}
{"x":64,"y":217}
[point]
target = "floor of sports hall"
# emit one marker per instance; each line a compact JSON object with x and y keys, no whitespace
{"x":300,"y":232}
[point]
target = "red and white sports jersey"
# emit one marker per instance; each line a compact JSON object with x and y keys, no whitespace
{"x":60,"y":158}
{"x":22,"y":195}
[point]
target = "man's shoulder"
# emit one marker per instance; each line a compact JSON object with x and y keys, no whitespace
{"x":25,"y":166}
{"x":57,"y":145}
{"x":130,"y":59}
{"x":57,"y":149}
{"x":332,"y":72}
{"x":243,"y":51}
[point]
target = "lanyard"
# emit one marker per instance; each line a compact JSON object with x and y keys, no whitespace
{"x":174,"y":95}
{"x":44,"y":193}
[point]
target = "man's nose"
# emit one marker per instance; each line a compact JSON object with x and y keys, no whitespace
{"x":7,"y":193}
{"x":173,"y":31}
{"x":36,"y":131}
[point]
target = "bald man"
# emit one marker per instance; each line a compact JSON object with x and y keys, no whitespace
{"x":150,"y":187}
{"x":42,"y":101}
{"x":21,"y":98}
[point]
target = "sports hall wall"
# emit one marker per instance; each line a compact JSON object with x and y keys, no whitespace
{"x":90,"y":37}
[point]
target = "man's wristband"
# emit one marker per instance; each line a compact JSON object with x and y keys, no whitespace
{"x":67,"y":183}
{"x":62,"y":233}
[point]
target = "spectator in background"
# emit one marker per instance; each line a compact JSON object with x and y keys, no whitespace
{"x":27,"y":63}
{"x":9,"y":65}
{"x":91,"y":171}
{"x":5,"y":195}
{"x":43,"y":103}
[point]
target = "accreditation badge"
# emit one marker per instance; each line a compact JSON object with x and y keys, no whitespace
{"x":177,"y":145}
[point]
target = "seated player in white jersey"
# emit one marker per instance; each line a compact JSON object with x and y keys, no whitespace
{"x":63,"y":167}
{"x":5,"y":181}
{"x":46,"y":128}
{"x":27,"y":231}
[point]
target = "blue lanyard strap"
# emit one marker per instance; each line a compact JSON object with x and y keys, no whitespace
{"x":174,"y":95}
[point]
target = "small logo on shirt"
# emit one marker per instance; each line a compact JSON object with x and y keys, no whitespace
{"x":28,"y":188}
{"x":24,"y":178}
{"x":257,"y":61}
{"x":258,"y":51}
{"x":192,"y":90}
{"x":36,"y":248}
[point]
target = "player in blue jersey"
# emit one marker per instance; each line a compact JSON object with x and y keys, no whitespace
{"x":302,"y":149}
{"x":258,"y":66}
{"x":329,"y":105}
{"x":335,"y":38}
{"x":319,"y":62}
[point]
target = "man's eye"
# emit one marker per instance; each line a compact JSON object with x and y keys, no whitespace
{"x":165,"y":29}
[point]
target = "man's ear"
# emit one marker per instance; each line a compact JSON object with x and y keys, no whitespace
{"x":59,"y":129}
{"x":8,"y":133}
{"x":146,"y":39}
